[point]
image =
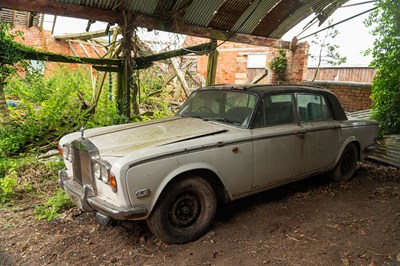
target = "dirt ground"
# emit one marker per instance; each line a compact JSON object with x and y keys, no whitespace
{"x":312,"y":222}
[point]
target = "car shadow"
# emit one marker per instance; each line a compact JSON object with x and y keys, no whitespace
{"x":228,"y":211}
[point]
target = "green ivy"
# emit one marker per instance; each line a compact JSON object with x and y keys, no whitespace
{"x":279,"y":64}
{"x":10,"y":53}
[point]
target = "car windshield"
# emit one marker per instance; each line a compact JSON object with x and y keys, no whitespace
{"x":229,"y":107}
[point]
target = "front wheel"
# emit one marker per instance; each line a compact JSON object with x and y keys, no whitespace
{"x":184,"y":212}
{"x":346,"y":167}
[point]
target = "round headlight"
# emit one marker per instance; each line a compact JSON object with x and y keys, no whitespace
{"x":104,"y":174}
{"x":97,"y":170}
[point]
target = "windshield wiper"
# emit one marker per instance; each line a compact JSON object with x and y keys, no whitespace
{"x":226,"y":120}
{"x":191,"y":115}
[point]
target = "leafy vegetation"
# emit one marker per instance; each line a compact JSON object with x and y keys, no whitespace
{"x":25,"y":177}
{"x":44,"y":109}
{"x":48,"y":108}
{"x":279,"y":64}
{"x":9,"y":53}
{"x":54,"y":205}
{"x":386,"y":57}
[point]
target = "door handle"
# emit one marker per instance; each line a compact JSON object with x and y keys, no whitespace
{"x":300,"y":133}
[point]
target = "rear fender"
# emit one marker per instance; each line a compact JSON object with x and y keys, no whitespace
{"x":343,"y":146}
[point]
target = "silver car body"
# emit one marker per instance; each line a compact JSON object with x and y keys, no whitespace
{"x":242,"y":160}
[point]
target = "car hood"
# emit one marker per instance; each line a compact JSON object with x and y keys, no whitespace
{"x":121,"y":140}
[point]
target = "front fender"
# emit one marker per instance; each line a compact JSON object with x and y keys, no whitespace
{"x":155,"y":176}
{"x":182,"y":169}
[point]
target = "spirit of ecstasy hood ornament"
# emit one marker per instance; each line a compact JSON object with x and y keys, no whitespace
{"x":82,"y":130}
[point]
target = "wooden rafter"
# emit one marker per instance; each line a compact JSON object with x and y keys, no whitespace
{"x":84,"y":35}
{"x":62,"y":9}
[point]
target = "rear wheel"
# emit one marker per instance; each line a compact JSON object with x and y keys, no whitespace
{"x":346,"y":167}
{"x":184,"y":211}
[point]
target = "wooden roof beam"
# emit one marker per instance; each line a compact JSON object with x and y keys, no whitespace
{"x":62,"y":9}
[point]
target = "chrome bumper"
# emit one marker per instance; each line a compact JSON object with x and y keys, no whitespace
{"x":85,"y":198}
{"x":371,"y":148}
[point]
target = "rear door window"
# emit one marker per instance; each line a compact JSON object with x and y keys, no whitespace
{"x":313,"y":107}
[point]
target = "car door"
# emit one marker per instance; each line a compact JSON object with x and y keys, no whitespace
{"x":321,"y":131}
{"x":278,"y":141}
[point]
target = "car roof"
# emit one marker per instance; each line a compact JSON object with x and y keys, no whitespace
{"x":265,"y":88}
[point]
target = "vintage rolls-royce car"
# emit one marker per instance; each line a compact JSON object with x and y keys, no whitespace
{"x":225,"y":143}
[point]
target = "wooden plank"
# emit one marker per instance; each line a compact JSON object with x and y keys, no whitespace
{"x":260,"y":76}
{"x":108,"y":68}
{"x":62,"y":9}
{"x":47,"y":56}
{"x":85,"y":35}
{"x":197,"y":49}
{"x":84,"y":49}
{"x":212,"y":67}
{"x":181,"y":76}
{"x":93,"y":46}
{"x":87,"y":42}
{"x":72,"y":48}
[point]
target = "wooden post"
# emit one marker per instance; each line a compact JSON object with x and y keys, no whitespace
{"x":212,"y":65}
{"x":4,"y":114}
{"x":128,"y":48}
{"x":120,"y":92}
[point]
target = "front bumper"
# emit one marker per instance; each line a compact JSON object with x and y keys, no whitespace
{"x":86,"y":199}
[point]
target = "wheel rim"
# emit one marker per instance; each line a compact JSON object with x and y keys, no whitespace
{"x":184,"y":210}
{"x":347,"y":162}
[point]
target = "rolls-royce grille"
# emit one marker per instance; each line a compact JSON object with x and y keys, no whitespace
{"x":83,"y":150}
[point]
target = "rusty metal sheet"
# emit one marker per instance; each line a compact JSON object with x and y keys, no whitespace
{"x":274,"y":18}
{"x":228,"y":14}
{"x":253,"y":15}
{"x":325,"y":7}
{"x":388,"y":151}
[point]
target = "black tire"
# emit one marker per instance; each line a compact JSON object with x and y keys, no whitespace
{"x":184,"y":212}
{"x":347,"y":165}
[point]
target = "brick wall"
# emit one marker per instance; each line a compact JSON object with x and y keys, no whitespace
{"x":354,"y":96}
{"x":43,"y":40}
{"x":233,"y":57}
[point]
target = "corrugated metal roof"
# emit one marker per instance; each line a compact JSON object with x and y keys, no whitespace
{"x":388,"y":147}
{"x":200,"y":13}
{"x":253,"y":15}
{"x":264,"y":18}
{"x":388,"y":150}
